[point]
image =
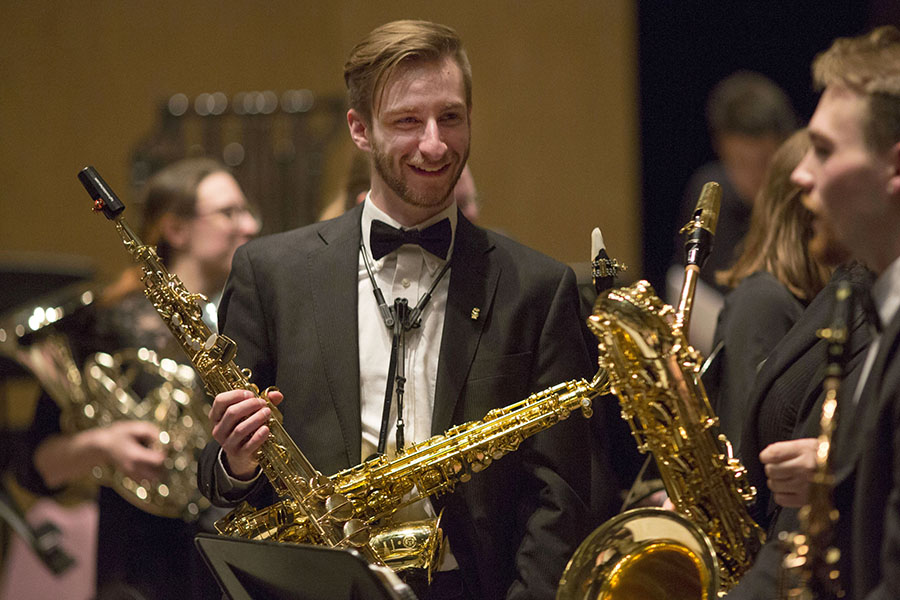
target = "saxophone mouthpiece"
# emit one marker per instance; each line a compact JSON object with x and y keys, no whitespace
{"x":708,"y":206}
{"x":104,"y":198}
{"x":596,"y":242}
{"x":603,"y":268}
{"x":702,"y":227}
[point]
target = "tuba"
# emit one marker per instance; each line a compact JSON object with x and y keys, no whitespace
{"x":701,"y":549}
{"x":103,"y":390}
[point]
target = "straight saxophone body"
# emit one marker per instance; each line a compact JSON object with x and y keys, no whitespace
{"x":380,"y":486}
{"x":809,"y":569}
{"x":328,"y":515}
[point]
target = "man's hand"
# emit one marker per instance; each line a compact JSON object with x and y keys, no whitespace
{"x":789,"y":468}
{"x":239,"y":425}
{"x":132,"y":447}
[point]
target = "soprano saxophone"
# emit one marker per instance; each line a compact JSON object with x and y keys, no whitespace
{"x":329,"y":516}
{"x":809,"y":568}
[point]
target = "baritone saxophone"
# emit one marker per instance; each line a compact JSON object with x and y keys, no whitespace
{"x":701,"y":549}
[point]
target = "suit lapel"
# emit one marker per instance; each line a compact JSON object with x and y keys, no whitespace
{"x":333,"y":270}
{"x":867,"y":410}
{"x":857,"y":422}
{"x":473,"y":281}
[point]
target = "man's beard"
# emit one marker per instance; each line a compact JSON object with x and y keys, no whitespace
{"x":825,"y":247}
{"x":399,"y":186}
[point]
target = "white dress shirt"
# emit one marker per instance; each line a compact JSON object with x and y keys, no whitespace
{"x":886,"y":296}
{"x":408,"y":272}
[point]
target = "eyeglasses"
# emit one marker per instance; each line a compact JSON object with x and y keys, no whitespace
{"x":234,"y":213}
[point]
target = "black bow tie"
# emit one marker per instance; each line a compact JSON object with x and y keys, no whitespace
{"x":384,"y":239}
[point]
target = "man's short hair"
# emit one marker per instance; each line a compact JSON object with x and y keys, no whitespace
{"x":868,"y":65}
{"x":373,"y":60}
{"x":748,"y":103}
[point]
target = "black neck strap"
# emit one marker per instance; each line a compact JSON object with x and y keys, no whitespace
{"x":398,"y":318}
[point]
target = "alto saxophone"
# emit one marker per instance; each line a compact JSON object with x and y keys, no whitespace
{"x":701,"y":549}
{"x":101,"y":392}
{"x":380,"y":486}
{"x":329,"y":516}
{"x":809,"y":569}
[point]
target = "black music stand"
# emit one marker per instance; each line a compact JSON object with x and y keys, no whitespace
{"x":255,"y":570}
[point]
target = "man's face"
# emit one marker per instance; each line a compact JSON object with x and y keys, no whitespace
{"x":418,"y":137}
{"x":846,"y":182}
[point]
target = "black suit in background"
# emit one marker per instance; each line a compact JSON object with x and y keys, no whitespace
{"x":756,"y":316}
{"x":786,"y":403}
{"x":874,"y":520}
{"x":291,"y":306}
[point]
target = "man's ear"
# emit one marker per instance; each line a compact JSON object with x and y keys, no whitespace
{"x":359,"y":131}
{"x":174,"y":230}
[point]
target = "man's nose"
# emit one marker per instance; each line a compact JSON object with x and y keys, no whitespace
{"x":801,"y":175}
{"x":432,"y":145}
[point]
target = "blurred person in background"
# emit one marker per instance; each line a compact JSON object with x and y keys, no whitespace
{"x":774,"y":279}
{"x":748,"y":117}
{"x":196,"y":215}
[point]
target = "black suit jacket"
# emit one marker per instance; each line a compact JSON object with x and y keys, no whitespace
{"x":787,"y":405}
{"x":874,"y":518}
{"x":291,"y":306}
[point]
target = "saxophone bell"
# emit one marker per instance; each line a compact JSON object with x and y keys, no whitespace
{"x":642,"y":554}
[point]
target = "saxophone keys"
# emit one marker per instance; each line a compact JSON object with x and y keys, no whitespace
{"x":356,"y":533}
{"x":338,"y":508}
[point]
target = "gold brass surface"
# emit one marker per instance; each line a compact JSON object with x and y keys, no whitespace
{"x":380,"y":486}
{"x":809,"y":568}
{"x":102,"y":391}
{"x":654,"y":373}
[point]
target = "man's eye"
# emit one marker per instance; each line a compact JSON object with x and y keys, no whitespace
{"x":821,"y":151}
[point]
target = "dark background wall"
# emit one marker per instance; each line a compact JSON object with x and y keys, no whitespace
{"x":685,"y":48}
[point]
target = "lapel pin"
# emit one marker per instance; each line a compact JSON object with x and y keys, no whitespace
{"x":475,"y":312}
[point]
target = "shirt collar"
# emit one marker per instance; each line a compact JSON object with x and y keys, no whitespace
{"x":370,"y":212}
{"x":886,"y":292}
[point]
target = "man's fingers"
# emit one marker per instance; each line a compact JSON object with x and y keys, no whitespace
{"x":786,"y":450}
{"x":234,"y":415}
{"x":225,"y":400}
{"x":248,"y":427}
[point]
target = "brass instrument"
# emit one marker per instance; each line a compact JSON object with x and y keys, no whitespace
{"x":353,"y":507}
{"x":103,"y":391}
{"x":711,"y":541}
{"x":378,"y":487}
{"x":809,"y":569}
{"x":329,"y":516}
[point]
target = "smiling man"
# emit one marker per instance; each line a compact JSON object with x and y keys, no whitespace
{"x":502,"y":323}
